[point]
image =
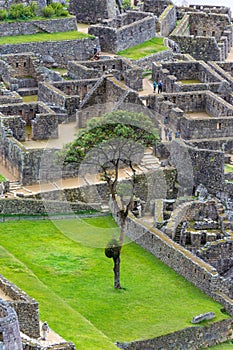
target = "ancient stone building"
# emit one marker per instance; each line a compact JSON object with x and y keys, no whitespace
{"x":88,"y":11}
{"x":9,"y":328}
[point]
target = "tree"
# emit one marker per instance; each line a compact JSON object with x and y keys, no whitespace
{"x":115,"y":140}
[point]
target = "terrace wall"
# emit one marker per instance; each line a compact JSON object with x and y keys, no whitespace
{"x":38,"y":26}
{"x":61,"y":51}
{"x":189,"y":338}
{"x":167,"y":20}
{"x":22,"y":206}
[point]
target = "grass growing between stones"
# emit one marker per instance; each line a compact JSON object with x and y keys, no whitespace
{"x":228,"y":168}
{"x":30,"y":98}
{"x":2,"y":178}
{"x":40,"y":37}
{"x":190,"y":81}
{"x":145,"y":49}
{"x":64,"y":268}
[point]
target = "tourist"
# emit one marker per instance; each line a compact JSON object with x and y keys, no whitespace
{"x":154,"y":85}
{"x":177,"y":134}
{"x":45,"y":330}
{"x":170,"y":135}
{"x":166,"y":131}
{"x":96,"y":55}
{"x":160,"y":86}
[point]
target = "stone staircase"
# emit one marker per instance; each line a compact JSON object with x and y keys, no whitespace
{"x":149,"y":161}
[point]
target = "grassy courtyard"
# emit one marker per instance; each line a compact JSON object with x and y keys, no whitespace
{"x":142,"y":50}
{"x":62,"y":265}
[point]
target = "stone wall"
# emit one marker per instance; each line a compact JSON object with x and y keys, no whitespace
{"x":9,"y":328}
{"x":167,"y":20}
{"x":61,"y":51}
{"x":30,"y":345}
{"x":173,"y":73}
{"x":199,"y":33}
{"x":191,"y":338}
{"x":87,"y":11}
{"x":65,"y":96}
{"x":121,"y":69}
{"x":25,"y":307}
{"x":127,"y":30}
{"x":218,"y":254}
{"x":34,"y":27}
{"x":44,"y":127}
{"x":146,"y":62}
{"x":15,"y":125}
{"x":20,"y":206}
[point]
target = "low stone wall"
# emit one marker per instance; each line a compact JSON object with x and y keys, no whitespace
{"x":189,"y":338}
{"x":41,"y":207}
{"x":25,"y":307}
{"x":33,"y":27}
{"x":146,"y":62}
{"x":61,"y":51}
{"x":29,"y":345}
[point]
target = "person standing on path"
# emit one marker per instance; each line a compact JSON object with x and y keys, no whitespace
{"x":154,"y":85}
{"x":160,"y":87}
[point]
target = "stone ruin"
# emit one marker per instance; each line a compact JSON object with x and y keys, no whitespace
{"x":9,"y":328}
{"x":125,"y":30}
{"x":202,"y":110}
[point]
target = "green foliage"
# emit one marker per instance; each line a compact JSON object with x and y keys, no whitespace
{"x":135,"y":127}
{"x":2,"y":178}
{"x":3,"y":15}
{"x":20,"y":11}
{"x":48,"y":11}
{"x":59,"y":10}
{"x":16,"y":11}
{"x":126,"y":4}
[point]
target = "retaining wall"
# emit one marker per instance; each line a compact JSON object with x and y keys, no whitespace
{"x":38,"y":26}
{"x":61,"y":51}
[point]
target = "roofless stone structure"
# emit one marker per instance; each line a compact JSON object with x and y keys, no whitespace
{"x":89,"y":11}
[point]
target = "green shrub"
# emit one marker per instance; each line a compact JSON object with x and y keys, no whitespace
{"x":59,"y":10}
{"x":16,"y":11}
{"x":34,"y":7}
{"x":3,"y":15}
{"x":48,"y":11}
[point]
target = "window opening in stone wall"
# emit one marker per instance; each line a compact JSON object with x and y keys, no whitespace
{"x":17,"y":64}
{"x":219,"y":126}
{"x":204,"y":32}
{"x":213,"y":33}
{"x":1,"y":336}
{"x":25,"y":64}
{"x":103,"y":68}
{"x":113,"y":66}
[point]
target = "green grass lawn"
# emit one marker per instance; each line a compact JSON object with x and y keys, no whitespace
{"x":228,"y":168}
{"x":224,"y":346}
{"x":40,"y":37}
{"x":63,"y":266}
{"x":145,"y":49}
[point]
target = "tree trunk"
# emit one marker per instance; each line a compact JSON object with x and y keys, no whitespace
{"x":116,"y":270}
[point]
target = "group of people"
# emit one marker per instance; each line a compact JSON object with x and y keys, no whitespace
{"x":159,"y":85}
{"x":168,"y":134}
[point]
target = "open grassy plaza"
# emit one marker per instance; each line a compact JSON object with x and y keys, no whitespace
{"x":62,"y":265}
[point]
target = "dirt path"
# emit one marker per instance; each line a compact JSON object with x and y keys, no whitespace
{"x":230,"y":56}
